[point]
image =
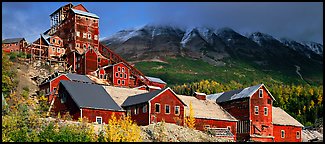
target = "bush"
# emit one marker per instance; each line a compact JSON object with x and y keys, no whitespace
{"x":29,"y":55}
{"x":21,"y":55}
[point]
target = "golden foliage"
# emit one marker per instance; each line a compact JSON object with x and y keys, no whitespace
{"x":190,"y":120}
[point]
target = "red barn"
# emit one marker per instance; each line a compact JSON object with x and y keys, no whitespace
{"x":252,"y":106}
{"x":155,"y":106}
{"x":285,"y":127}
{"x":85,"y":100}
{"x":13,"y":45}
{"x":157,"y":82}
{"x":210,"y":116}
{"x":50,"y":84}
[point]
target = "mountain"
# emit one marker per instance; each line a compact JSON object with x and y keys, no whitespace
{"x":217,"y":47}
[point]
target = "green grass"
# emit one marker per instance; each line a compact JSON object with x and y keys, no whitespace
{"x":182,"y":70}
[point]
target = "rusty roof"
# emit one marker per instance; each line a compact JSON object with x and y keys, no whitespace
{"x":206,"y":109}
{"x":280,"y":117}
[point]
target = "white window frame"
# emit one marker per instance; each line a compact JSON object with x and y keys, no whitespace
{"x":58,"y":49}
{"x":260,"y":93}
{"x":123,"y":69}
{"x":118,"y":81}
{"x":255,"y":110}
{"x":53,"y":49}
{"x":284,"y":134}
{"x":89,"y":36}
{"x":297,"y":134}
{"x":166,"y":108}
{"x":118,"y":68}
{"x":78,"y":34}
{"x":116,"y":74}
{"x":144,"y":109}
{"x":101,"y":119}
{"x":179,"y":110}
{"x":266,"y":111}
{"x":229,"y":128}
{"x":77,"y":45}
{"x":136,"y":111}
{"x":125,"y":76}
{"x":84,"y":35}
{"x":123,"y":82}
{"x":95,"y":37}
{"x":156,"y":108}
{"x":206,"y":126}
{"x":121,"y":75}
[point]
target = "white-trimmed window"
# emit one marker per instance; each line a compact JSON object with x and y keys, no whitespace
{"x":95,"y":37}
{"x":58,"y":49}
{"x":116,"y":74}
{"x":118,"y":68}
{"x":53,"y":40}
{"x":136,"y":111}
{"x":78,"y":34}
{"x":144,"y":109}
{"x":298,"y":135}
{"x":85,"y":46}
{"x":266,"y":111}
{"x":177,"y":109}
{"x":167,"y":109}
{"x":84,"y":35}
{"x":123,"y":69}
{"x":89,"y":36}
{"x":77,"y":45}
{"x":282,"y":133}
{"x":260,"y":93}
{"x":157,"y":107}
{"x":121,"y":75}
{"x":229,"y":128}
{"x":118,"y":81}
{"x":256,"y":110}
{"x":206,"y":126}
{"x":123,"y":82}
{"x":125,"y":76}
{"x":53,"y":49}
{"x":99,"y":119}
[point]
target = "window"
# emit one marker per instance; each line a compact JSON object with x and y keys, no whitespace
{"x":53,"y":40}
{"x":229,"y":128}
{"x":78,"y":34}
{"x":53,"y":49}
{"x":269,"y":101}
{"x":99,"y":119}
{"x":95,"y":37}
{"x":84,"y":35}
{"x":157,"y":108}
{"x":298,"y":135}
{"x":9,"y":44}
{"x":256,"y":110}
{"x":177,"y":110}
{"x":128,"y":112}
{"x":167,"y":110}
{"x":136,"y":110}
{"x":116,"y":74}
{"x":144,"y":109}
{"x":94,"y":20}
{"x":118,"y":81}
{"x":125,"y":75}
{"x":121,"y":75}
{"x":63,"y":98}
{"x":282,"y":133}
{"x":58,"y":49}
{"x":260,"y":94}
{"x":122,"y":69}
{"x":118,"y":69}
{"x":77,"y":45}
{"x":206,"y":126}
{"x":89,"y":36}
{"x":123,"y":82}
{"x":266,"y":111}
{"x":86,"y":18}
{"x":84,"y":46}
{"x":59,"y":42}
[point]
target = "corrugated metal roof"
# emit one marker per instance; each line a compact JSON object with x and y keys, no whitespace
{"x":141,"y":98}
{"x":214,"y":97}
{"x":153,"y":79}
{"x":241,"y":93}
{"x":280,"y":117}
{"x":84,"y":13}
{"x":12,"y":40}
{"x":90,"y":96}
{"x":78,"y":77}
{"x":207,"y":109}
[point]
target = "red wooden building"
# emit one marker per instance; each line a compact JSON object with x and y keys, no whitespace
{"x":210,"y":116}
{"x":252,"y":106}
{"x":285,"y":127}
{"x":157,"y":82}
{"x":155,"y":106}
{"x":13,"y":44}
{"x":50,"y":84}
{"x":50,"y":47}
{"x":85,"y":100}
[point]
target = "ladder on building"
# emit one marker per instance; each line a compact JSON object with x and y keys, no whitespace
{"x":115,"y":58}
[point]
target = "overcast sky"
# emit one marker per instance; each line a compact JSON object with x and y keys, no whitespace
{"x":301,"y":21}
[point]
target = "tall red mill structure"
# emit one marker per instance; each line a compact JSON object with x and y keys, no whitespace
{"x":79,"y":30}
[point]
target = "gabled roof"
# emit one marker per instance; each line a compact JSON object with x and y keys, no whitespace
{"x":206,"y":109}
{"x":78,"y":77}
{"x":153,"y":79}
{"x":146,"y":97}
{"x":90,"y":96}
{"x":84,"y":13}
{"x":280,"y":117}
{"x":12,"y":40}
{"x":239,"y":94}
{"x":120,"y":94}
